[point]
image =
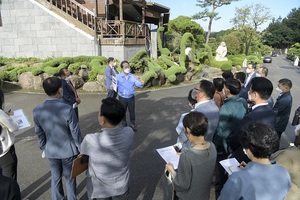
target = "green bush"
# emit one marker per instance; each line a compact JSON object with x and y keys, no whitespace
{"x":4,"y":75}
{"x":167,"y":60}
{"x":75,"y":67}
{"x":198,"y":68}
{"x":37,"y":71}
{"x":148,"y":75}
{"x":172,"y":78}
{"x":138,"y":60}
{"x":293,"y":52}
{"x":219,"y":64}
{"x":237,"y":59}
{"x":186,"y":40}
{"x":253,"y":59}
{"x":163,"y":51}
{"x":174,"y":70}
{"x":2,"y":61}
{"x":12,"y":73}
{"x":152,"y":66}
{"x":55,"y":70}
{"x":226,"y":67}
{"x":95,"y":69}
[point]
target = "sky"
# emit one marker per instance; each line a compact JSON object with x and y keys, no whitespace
{"x":188,"y":8}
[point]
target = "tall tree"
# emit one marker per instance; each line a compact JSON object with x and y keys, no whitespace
{"x":293,"y":21}
{"x":211,"y":15}
{"x":248,"y":19}
{"x":183,"y":24}
{"x":278,"y":35}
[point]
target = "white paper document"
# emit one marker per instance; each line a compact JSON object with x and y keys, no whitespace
{"x":230,"y":165}
{"x":114,"y":83}
{"x":20,"y":118}
{"x":169,"y":155}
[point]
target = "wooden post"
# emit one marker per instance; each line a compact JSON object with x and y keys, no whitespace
{"x":122,"y":23}
{"x":143,"y":15}
{"x":97,"y":47}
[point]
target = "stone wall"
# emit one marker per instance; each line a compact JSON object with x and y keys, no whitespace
{"x":30,"y":30}
{"x":120,"y":52}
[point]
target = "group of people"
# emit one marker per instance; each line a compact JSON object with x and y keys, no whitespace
{"x":108,"y":151}
{"x":56,"y":124}
{"x":237,"y":120}
{"x":122,"y":85}
{"x":220,"y":125}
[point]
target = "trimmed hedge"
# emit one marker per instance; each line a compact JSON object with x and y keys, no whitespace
{"x":148,"y":75}
{"x":219,"y":64}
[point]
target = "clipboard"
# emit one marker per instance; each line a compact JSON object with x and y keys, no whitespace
{"x":80,"y":164}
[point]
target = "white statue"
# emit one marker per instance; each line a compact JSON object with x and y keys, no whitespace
{"x":244,"y":65}
{"x":188,"y":52}
{"x":296,"y":62}
{"x":221,"y":52}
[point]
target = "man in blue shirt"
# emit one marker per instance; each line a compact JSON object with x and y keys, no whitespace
{"x":126,"y":82}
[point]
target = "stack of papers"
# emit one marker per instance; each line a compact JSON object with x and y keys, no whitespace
{"x":169,"y":155}
{"x":230,"y":165}
{"x":20,"y":118}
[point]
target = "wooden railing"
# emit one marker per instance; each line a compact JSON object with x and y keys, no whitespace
{"x":105,"y":28}
{"x":76,"y":10}
{"x":117,"y":28}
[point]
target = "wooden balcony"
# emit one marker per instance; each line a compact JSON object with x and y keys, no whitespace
{"x":122,"y":32}
{"x":117,"y":32}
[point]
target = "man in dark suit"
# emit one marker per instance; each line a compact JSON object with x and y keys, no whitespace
{"x":69,"y":92}
{"x":283,"y":105}
{"x":251,"y":72}
{"x":9,"y":189}
{"x":260,"y":91}
{"x":241,"y":76}
{"x":59,"y":136}
{"x":110,"y":78}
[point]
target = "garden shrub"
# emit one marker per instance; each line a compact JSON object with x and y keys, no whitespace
{"x":152,"y":66}
{"x":253,"y":59}
{"x":4,"y":75}
{"x":198,"y":68}
{"x":186,"y":40}
{"x":137,"y":61}
{"x":75,"y":67}
{"x":148,"y":75}
{"x":163,"y":51}
{"x":236,"y":59}
{"x":172,"y":78}
{"x":226,"y":67}
{"x":167,"y":60}
{"x":293,"y":52}
{"x":219,"y":64}
{"x":55,"y":70}
{"x":95,"y":69}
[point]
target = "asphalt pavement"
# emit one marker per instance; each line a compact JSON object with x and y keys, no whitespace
{"x":157,"y":113}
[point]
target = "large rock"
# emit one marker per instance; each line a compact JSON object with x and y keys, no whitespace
{"x":28,"y":81}
{"x":93,"y":86}
{"x":77,"y":81}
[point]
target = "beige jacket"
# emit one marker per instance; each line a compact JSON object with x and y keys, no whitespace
{"x":289,"y":159}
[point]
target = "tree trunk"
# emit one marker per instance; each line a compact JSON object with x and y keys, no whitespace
{"x":209,"y":30}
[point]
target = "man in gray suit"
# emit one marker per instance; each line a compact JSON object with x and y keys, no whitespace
{"x":59,"y":136}
{"x":204,"y":94}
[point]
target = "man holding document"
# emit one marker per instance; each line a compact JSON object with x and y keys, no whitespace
{"x":260,"y":178}
{"x":196,"y":166}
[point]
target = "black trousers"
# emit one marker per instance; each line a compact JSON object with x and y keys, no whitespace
{"x":130,"y":104}
{"x":9,"y":163}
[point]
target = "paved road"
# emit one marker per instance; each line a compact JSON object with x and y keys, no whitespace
{"x":157,"y":115}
